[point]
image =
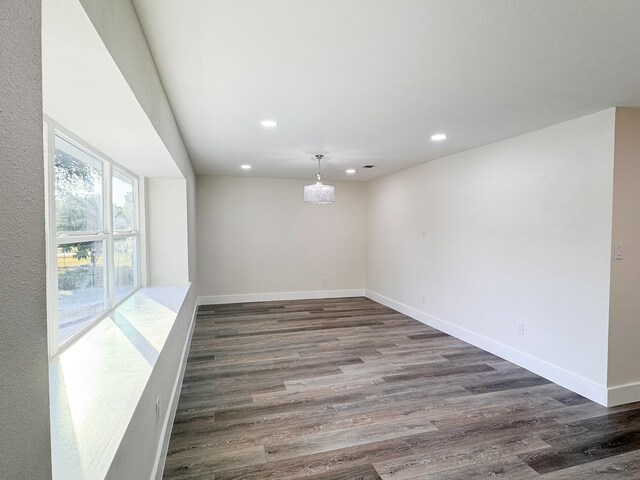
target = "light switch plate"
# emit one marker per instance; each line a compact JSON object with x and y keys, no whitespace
{"x":617,"y":251}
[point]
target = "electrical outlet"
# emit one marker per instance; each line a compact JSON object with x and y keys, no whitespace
{"x":520,"y":328}
{"x":158,"y":408}
{"x":324,"y":280}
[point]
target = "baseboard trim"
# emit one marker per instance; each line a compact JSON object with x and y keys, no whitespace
{"x":161,"y":456}
{"x":580,"y":385}
{"x":622,"y":394}
{"x":275,"y":296}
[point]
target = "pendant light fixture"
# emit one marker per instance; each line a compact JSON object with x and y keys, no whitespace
{"x":318,"y":193}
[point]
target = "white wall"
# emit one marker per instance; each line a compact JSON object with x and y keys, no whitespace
{"x":624,"y":326}
{"x":516,"y":231}
{"x":139,"y":449}
{"x":24,"y":392}
{"x":117,"y":23}
{"x":257,"y":236}
{"x":85,"y":92}
{"x":167,"y":247}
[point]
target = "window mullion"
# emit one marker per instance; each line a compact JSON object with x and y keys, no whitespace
{"x":136,"y":239}
{"x":108,"y":221}
{"x":66,"y":239}
{"x":136,"y":271}
{"x":132,"y":233}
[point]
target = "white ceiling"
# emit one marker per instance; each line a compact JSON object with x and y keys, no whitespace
{"x":85,"y":93}
{"x":367,"y":81}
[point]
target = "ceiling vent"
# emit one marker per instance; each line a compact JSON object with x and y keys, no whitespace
{"x":368,"y":166}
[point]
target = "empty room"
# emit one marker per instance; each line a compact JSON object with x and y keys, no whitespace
{"x":320,"y":239}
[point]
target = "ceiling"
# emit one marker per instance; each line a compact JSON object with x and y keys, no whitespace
{"x":368,"y":81}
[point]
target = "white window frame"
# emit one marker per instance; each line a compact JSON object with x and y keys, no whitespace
{"x":51,"y":130}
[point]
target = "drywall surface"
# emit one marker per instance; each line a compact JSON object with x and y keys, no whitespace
{"x":624,"y":326}
{"x":117,"y":24}
{"x":516,"y":231}
{"x":256,"y":235}
{"x":105,"y":385}
{"x":149,"y":429}
{"x":24,"y":395}
{"x":168,"y":251}
{"x":85,"y":92}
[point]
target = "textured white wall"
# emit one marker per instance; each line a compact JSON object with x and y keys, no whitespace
{"x":519,"y":230}
{"x":624,"y":328}
{"x":168,"y":251}
{"x":24,"y":394}
{"x":257,"y":235}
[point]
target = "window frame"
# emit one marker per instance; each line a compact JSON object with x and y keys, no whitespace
{"x":108,"y":235}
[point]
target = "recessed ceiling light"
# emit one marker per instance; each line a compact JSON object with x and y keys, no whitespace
{"x":245,"y":167}
{"x":350,"y":171}
{"x":438,"y":137}
{"x":269,"y":123}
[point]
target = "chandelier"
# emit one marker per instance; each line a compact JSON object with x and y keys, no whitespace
{"x":318,"y":193}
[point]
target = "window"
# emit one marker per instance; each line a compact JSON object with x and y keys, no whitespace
{"x":92,"y":226}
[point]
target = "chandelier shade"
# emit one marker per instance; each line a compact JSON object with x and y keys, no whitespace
{"x":319,"y":193}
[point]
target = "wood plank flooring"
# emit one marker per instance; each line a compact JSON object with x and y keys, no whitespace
{"x":349,"y":389}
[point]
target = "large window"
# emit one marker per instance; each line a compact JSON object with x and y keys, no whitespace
{"x":93,"y":239}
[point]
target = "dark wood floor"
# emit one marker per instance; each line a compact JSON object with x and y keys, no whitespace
{"x":349,"y":389}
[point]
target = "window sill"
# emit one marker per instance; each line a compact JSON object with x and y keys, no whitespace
{"x":96,"y":383}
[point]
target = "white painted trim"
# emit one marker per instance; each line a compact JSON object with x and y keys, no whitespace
{"x":622,"y":394}
{"x":52,"y":264}
{"x":143,"y":245}
{"x":267,"y":297}
{"x":580,"y":385}
{"x":53,"y":129}
{"x":165,"y":436}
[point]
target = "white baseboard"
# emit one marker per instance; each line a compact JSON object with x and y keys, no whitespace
{"x":165,"y":436}
{"x":580,"y":385}
{"x":622,"y":394}
{"x":275,"y":296}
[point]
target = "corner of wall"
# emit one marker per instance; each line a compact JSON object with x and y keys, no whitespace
{"x":482,"y":237}
{"x":624,"y":309}
{"x":25,"y":445}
